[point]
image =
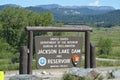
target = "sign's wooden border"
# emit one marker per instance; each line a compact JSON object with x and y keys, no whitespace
{"x":85,"y":29}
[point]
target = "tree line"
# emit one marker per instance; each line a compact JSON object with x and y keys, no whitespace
{"x":13,"y":21}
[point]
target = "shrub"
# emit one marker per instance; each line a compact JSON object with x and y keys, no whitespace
{"x":104,"y":46}
{"x":15,"y":58}
{"x":72,"y":77}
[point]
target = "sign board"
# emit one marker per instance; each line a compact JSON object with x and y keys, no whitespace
{"x":58,"y":52}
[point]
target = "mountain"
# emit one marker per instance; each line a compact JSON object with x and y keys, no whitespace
{"x":112,"y":17}
{"x":109,"y":8}
{"x":73,"y":10}
{"x":66,"y":10}
{"x":7,"y":5}
{"x":78,"y":14}
{"x":50,"y":6}
{"x":79,"y":10}
{"x":37,"y":9}
{"x":81,"y":14}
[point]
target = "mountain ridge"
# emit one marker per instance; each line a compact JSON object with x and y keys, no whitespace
{"x":79,"y":14}
{"x":73,"y":10}
{"x":50,"y":6}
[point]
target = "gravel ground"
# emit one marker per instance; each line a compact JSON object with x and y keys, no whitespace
{"x":54,"y":74}
{"x":46,"y":74}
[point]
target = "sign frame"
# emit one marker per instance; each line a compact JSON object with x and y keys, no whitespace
{"x":31,"y":29}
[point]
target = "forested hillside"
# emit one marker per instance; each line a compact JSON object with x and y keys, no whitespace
{"x":105,"y":20}
{"x":104,"y":16}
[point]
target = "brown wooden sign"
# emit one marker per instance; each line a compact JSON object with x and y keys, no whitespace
{"x":58,"y":52}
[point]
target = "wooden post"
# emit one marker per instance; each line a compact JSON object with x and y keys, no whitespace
{"x":30,"y":54}
{"x":92,"y":56}
{"x":23,"y":60}
{"x":87,"y":49}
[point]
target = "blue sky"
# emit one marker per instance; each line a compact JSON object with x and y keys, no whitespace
{"x":24,"y":3}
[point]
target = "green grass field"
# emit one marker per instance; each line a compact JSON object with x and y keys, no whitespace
{"x":110,"y":33}
{"x":105,"y":33}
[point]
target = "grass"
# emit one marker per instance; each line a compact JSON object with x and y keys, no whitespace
{"x":6,"y":67}
{"x":114,"y":54}
{"x":111,"y":33}
{"x":5,"y":61}
{"x":97,"y":33}
{"x":6,"y":64}
{"x":105,"y":33}
{"x":108,"y":63}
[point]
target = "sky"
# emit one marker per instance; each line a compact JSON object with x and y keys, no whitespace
{"x":25,"y":3}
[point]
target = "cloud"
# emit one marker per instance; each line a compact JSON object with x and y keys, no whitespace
{"x":96,"y":3}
